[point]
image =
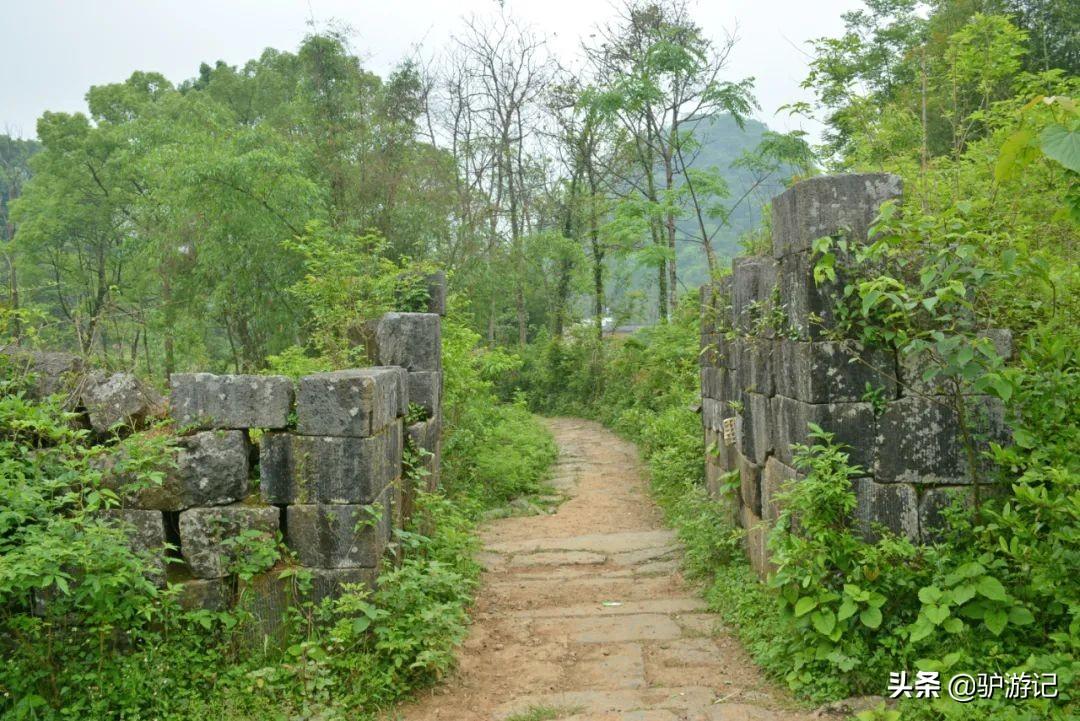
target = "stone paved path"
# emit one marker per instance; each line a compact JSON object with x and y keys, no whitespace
{"x":583,"y":613}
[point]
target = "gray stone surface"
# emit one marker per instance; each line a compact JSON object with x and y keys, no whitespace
{"x":758,"y":427}
{"x":212,"y":468}
{"x":932,"y":505}
{"x":753,"y":280}
{"x":209,"y":468}
{"x":712,"y":413}
{"x":750,"y":484}
{"x":204,"y":532}
{"x":853,"y":424}
{"x":436,"y":288}
{"x":119,"y":399}
{"x":709,"y":356}
{"x":808,"y":307}
{"x":919,"y":439}
{"x":828,"y":372}
{"x":146,"y":537}
{"x":827,"y":205}
{"x":425,"y":434}
{"x":410,"y":340}
{"x":328,"y":469}
{"x":327,"y":582}
{"x":892,"y":505}
{"x":775,"y":478}
{"x":358,"y":402}
{"x":712,"y":382}
{"x":425,"y":389}
{"x":341,"y":536}
{"x":757,"y":541}
{"x":204,"y":594}
{"x":52,"y":372}
{"x":205,"y":400}
{"x":758,"y":363}
{"x":267,"y":597}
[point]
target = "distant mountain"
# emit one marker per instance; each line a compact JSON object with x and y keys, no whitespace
{"x":722,"y":143}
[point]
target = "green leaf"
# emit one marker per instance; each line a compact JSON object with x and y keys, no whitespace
{"x":1015,"y":153}
{"x":805,"y":605}
{"x":953,"y":625}
{"x":1061,"y":144}
{"x":1020,"y":616}
{"x":871,"y":617}
{"x":991,"y":588}
{"x":996,"y":621}
{"x":847,"y":610}
{"x":929,"y":594}
{"x":921,"y":629}
{"x":936,"y":614}
{"x":824,"y":621}
{"x":962,"y":594}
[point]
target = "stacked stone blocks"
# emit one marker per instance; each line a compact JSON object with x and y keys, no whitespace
{"x":327,"y":454}
{"x":771,"y":365}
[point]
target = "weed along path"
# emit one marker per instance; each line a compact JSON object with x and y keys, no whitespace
{"x":583,"y":615}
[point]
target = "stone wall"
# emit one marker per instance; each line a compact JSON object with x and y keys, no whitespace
{"x":318,"y":461}
{"x":771,"y":364}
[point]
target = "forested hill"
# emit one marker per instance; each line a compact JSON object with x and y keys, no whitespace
{"x":720,"y":146}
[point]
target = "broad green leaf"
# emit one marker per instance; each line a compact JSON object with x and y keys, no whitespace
{"x":871,"y":617}
{"x":1061,"y":144}
{"x":847,"y":610}
{"x":936,"y":614}
{"x":996,"y":621}
{"x":1016,"y":152}
{"x":805,"y":605}
{"x":1020,"y":616}
{"x":991,"y":588}
{"x":824,"y":621}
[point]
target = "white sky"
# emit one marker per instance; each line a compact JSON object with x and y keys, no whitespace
{"x":54,"y":50}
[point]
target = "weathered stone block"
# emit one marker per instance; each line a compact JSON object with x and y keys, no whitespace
{"x":757,"y":364}
{"x":51,"y":372}
{"x":712,"y":382}
{"x":119,"y":399}
{"x":327,"y":582}
{"x":267,"y":597}
{"x":341,"y":536}
{"x":328,"y":469}
{"x":753,"y":281}
{"x":757,"y":542}
{"x":204,"y":594}
{"x":750,"y":484}
{"x":712,"y":413}
{"x":827,"y":372}
{"x":410,"y":340}
{"x":757,"y":435}
{"x":358,"y":402}
{"x":436,"y":288}
{"x":146,"y":537}
{"x":205,"y":400}
{"x":932,"y":505}
{"x":892,"y":505}
{"x":208,"y":469}
{"x":775,"y":478}
{"x":709,"y":355}
{"x":425,"y":389}
{"x":809,"y":308}
{"x":853,"y":425}
{"x":205,"y":535}
{"x":827,"y":205}
{"x":919,"y":439}
{"x":425,"y":434}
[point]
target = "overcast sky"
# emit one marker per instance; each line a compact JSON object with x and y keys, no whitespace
{"x":54,"y":50}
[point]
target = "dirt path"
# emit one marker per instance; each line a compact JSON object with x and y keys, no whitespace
{"x":585,"y":613}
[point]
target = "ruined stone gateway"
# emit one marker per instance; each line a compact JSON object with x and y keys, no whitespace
{"x":770,"y":367}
